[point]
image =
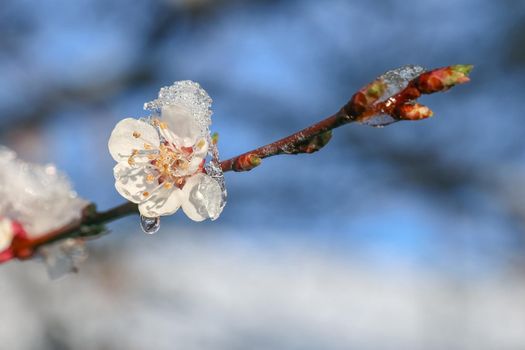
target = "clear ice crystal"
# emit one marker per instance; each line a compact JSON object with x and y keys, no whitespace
{"x":40,"y":197}
{"x":213,"y":169}
{"x":379,"y":121}
{"x":63,"y":257}
{"x":398,"y":79}
{"x":149,"y":225}
{"x":188,"y":95}
{"x":206,"y":197}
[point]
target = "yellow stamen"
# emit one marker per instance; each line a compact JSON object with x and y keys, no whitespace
{"x":136,"y":134}
{"x":150,"y":178}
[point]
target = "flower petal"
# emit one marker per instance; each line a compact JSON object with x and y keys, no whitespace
{"x":181,"y":122}
{"x":130,"y":134}
{"x":194,"y":165}
{"x":131,"y":182}
{"x":202,"y":198}
{"x":162,"y":202}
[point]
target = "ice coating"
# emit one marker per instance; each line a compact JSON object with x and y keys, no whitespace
{"x":395,"y":80}
{"x":214,"y":169}
{"x":379,"y":121}
{"x":62,"y":258}
{"x":398,"y":79}
{"x":207,"y":198}
{"x":189,"y":95}
{"x":40,"y":197}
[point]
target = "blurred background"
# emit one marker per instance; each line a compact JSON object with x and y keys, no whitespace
{"x":406,"y":237}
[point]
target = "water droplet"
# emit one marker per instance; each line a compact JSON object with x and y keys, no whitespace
{"x":149,"y":225}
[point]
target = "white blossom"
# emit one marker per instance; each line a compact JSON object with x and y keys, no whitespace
{"x":7,"y":233}
{"x":39,"y":197}
{"x":160,"y":161}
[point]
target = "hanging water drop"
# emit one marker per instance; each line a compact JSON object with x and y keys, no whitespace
{"x":149,"y":225}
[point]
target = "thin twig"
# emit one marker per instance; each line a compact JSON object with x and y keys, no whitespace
{"x":363,"y":105}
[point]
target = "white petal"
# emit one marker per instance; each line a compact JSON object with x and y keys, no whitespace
{"x":193,"y":166}
{"x":202,"y":198}
{"x":6,"y":234}
{"x":171,"y":137}
{"x":182,"y":123}
{"x":162,"y":202}
{"x":131,"y":182}
{"x":130,"y":134}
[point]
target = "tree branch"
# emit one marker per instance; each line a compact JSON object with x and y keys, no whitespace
{"x":364,"y":105}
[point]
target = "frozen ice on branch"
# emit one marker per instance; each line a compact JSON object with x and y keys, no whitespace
{"x":39,"y":197}
{"x":392,"y":96}
{"x":34,"y":200}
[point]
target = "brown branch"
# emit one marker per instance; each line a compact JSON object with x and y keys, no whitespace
{"x":362,"y":107}
{"x":89,"y":225}
{"x":307,"y":140}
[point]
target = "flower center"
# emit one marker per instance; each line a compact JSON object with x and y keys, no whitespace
{"x":172,"y":164}
{"x":168,"y":165}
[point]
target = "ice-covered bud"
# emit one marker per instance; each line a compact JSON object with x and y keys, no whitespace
{"x":10,"y":233}
{"x":161,"y":160}
{"x":442,"y":79}
{"x":38,"y":197}
{"x":413,"y":111}
{"x":374,"y":104}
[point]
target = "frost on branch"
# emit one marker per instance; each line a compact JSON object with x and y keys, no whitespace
{"x":162,"y":159}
